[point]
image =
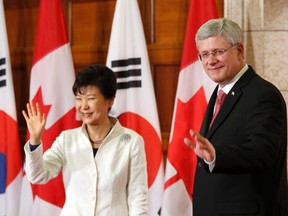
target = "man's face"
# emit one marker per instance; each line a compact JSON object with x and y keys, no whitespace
{"x":222,"y":60}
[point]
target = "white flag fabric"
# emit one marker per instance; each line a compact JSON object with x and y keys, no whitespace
{"x":193,"y":91}
{"x":10,"y":154}
{"x":135,"y":103}
{"x":52,"y":77}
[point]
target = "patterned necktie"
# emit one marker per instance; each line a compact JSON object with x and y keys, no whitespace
{"x":219,"y":101}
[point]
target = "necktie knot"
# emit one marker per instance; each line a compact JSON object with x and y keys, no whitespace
{"x":220,"y":98}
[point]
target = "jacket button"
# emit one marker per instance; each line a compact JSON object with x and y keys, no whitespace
{"x":199,"y":164}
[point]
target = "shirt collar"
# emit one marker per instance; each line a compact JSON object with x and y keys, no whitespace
{"x":229,"y":85}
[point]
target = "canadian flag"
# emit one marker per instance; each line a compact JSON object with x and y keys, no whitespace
{"x":135,"y":103}
{"x":52,"y":77}
{"x":193,"y":91}
{"x":10,"y":155}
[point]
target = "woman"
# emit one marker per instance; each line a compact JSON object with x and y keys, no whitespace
{"x":103,"y":163}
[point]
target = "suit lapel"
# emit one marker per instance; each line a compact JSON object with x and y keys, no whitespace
{"x":209,"y":113}
{"x":230,"y":101}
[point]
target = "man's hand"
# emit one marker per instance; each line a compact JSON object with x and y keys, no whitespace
{"x":201,"y":146}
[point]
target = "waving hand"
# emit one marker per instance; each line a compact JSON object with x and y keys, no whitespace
{"x":35,"y":121}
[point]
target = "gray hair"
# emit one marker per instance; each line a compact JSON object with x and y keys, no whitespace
{"x":224,"y":27}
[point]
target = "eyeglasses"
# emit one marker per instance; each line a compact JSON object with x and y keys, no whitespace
{"x":216,"y":52}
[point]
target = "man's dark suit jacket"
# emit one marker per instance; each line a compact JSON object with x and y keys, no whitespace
{"x":250,"y":138}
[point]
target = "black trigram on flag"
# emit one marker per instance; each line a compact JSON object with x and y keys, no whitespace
{"x":2,"y":72}
{"x":128,"y":78}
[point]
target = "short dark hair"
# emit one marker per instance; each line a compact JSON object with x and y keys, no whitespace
{"x":96,"y":75}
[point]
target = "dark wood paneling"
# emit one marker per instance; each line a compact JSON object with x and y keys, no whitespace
{"x":165,"y":78}
{"x":91,"y":24}
{"x":170,"y":21}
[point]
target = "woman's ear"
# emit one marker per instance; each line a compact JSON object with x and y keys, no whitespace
{"x":111,"y":102}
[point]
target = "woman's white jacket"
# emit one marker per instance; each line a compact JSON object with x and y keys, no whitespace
{"x":113,"y":183}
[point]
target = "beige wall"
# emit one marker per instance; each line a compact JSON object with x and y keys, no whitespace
{"x":265,"y":23}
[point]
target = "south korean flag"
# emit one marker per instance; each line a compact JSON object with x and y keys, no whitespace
{"x":135,"y":104}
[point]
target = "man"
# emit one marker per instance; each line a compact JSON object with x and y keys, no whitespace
{"x":241,"y":166}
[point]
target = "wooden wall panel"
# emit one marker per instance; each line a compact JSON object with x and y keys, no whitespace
{"x":165,"y":81}
{"x":90,"y":31}
{"x":89,"y":25}
{"x":165,"y":78}
{"x":170,"y":21}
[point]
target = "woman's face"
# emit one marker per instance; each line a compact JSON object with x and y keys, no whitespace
{"x":92,"y":106}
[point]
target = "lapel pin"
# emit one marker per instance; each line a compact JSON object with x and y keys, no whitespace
{"x":125,"y":137}
{"x":233,"y":93}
